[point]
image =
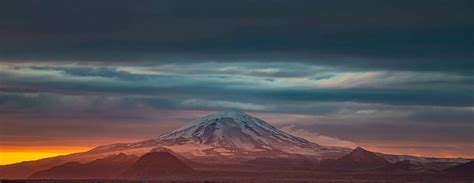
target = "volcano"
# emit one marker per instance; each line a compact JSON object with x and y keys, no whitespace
{"x":230,"y":133}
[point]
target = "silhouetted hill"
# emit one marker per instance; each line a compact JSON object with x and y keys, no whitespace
{"x":107,"y":167}
{"x":359,"y":158}
{"x":465,"y":169}
{"x":156,"y":164}
{"x":405,"y":166}
{"x":26,"y":168}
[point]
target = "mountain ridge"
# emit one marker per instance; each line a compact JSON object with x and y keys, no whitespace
{"x":106,"y":167}
{"x":359,"y":158}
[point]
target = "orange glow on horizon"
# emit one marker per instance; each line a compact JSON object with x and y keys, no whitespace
{"x":417,"y":152}
{"x":16,"y":155}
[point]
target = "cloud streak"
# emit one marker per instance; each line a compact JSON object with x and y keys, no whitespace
{"x":398,"y":88}
{"x":319,"y":139}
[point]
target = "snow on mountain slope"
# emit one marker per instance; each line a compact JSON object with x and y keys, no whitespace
{"x":230,"y":133}
{"x":235,"y":130}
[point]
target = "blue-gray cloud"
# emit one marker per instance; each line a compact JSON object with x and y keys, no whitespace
{"x":395,"y":35}
{"x":241,"y":88}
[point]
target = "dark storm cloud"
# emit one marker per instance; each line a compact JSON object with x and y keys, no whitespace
{"x":404,"y":35}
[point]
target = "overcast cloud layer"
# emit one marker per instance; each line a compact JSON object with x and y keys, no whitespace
{"x":395,"y":76}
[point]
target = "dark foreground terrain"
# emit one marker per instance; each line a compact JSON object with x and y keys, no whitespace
{"x":359,"y":166}
{"x":276,"y":176}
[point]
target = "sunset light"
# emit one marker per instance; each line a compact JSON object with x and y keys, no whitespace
{"x":122,"y":91}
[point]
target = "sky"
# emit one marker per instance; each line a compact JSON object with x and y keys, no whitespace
{"x":391,"y":76}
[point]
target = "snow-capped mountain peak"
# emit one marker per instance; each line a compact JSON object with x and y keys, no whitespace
{"x":236,"y":131}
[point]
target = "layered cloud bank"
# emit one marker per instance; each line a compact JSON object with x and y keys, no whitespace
{"x":128,"y":103}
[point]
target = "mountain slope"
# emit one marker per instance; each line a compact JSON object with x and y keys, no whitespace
{"x":465,"y":169}
{"x":108,"y":167}
{"x":404,"y":166}
{"x":26,"y":168}
{"x":156,"y":164}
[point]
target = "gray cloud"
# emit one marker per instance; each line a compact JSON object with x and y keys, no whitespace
{"x":394,"y":35}
{"x":396,"y":89}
